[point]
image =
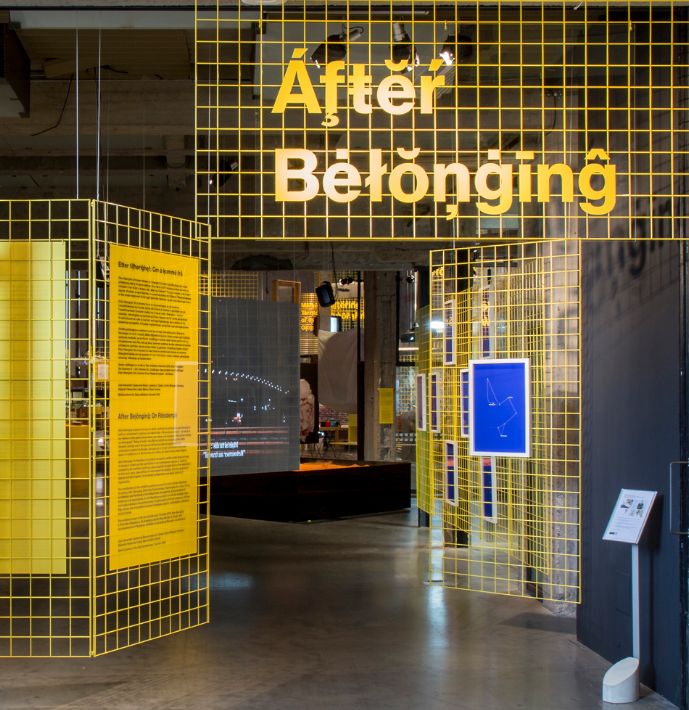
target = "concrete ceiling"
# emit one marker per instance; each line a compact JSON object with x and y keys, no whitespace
{"x":134,"y":75}
{"x":138,"y":67}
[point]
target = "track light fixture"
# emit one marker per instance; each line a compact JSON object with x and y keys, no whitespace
{"x":325,"y":295}
{"x":447,"y":51}
{"x":456,"y":48}
{"x":402,"y":48}
{"x":335,"y":46}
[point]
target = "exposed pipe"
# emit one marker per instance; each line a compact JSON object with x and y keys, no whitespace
{"x":680,"y":151}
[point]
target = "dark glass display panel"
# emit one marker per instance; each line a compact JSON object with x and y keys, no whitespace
{"x":255,"y":387}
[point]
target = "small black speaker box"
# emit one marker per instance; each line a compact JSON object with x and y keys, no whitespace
{"x":325,"y":295}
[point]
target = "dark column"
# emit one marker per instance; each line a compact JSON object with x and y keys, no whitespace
{"x":682,"y":15}
{"x":380,"y":355}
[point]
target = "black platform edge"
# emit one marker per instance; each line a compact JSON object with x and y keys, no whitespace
{"x":317,"y":494}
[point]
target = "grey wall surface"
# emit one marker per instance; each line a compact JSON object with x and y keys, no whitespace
{"x":631,"y":368}
{"x":255,"y":386}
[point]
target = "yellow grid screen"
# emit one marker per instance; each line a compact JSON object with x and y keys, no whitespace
{"x":33,"y":443}
{"x":509,"y":301}
{"x":235,"y":284}
{"x":45,"y":605}
{"x":57,"y":595}
{"x":140,"y":602}
{"x":427,"y":479}
{"x":442,"y":120}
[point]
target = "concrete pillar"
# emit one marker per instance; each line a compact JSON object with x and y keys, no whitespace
{"x":380,"y":357}
{"x":562,"y":376}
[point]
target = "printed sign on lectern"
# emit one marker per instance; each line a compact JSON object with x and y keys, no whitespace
{"x":499,"y":407}
{"x":629,"y":516}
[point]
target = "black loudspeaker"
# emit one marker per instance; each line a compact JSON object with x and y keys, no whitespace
{"x":325,"y":295}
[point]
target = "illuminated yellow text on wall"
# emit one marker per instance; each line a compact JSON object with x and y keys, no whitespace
{"x":553,"y":120}
{"x":296,"y":169}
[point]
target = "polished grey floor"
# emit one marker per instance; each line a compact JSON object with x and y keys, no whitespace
{"x":326,"y":616}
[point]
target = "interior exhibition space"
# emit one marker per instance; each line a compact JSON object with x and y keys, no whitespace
{"x":344,"y":354}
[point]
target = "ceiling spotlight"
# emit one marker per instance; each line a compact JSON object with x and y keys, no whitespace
{"x":447,"y":51}
{"x":402,"y":49}
{"x":455,"y":48}
{"x":335,"y":47}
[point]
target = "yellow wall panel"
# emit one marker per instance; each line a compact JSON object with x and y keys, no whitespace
{"x":153,"y":406}
{"x":33,"y":533}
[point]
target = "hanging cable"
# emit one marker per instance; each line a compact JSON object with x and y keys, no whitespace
{"x":76,"y":73}
{"x":143,"y":160}
{"x":62,"y":110}
{"x":332,"y":253}
{"x":98,"y":118}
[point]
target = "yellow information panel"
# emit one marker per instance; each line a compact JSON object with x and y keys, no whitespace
{"x":386,"y":405}
{"x":154,"y":325}
{"x":33,"y":506}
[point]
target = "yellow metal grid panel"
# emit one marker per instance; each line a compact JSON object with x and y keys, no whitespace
{"x":147,"y":601}
{"x":405,"y":404}
{"x":547,"y":119}
{"x":235,"y":284}
{"x":308,"y":312}
{"x":56,"y":596}
{"x":346,"y":308}
{"x":525,"y":299}
{"x":45,"y":442}
{"x":427,"y":475}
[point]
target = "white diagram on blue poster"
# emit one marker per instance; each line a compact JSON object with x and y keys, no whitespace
{"x":499,"y":407}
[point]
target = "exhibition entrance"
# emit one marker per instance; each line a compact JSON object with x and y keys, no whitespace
{"x":442,"y":238}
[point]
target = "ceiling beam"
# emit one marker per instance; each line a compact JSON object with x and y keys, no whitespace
{"x":317,"y":255}
{"x":68,"y":17}
{"x":130,"y":107}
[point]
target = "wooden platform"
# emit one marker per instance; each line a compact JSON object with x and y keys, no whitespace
{"x":318,"y":490}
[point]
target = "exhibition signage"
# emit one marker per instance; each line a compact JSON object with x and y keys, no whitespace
{"x":499,"y":407}
{"x":300,"y":176}
{"x":421,"y":402}
{"x":626,"y":524}
{"x":154,"y":454}
{"x":451,"y":492}
{"x":489,"y":488}
{"x":386,"y":405}
{"x":486,"y":326}
{"x":435,"y":402}
{"x":629,"y":516}
{"x":450,"y":327}
{"x":33,"y":503}
{"x":464,"y":402}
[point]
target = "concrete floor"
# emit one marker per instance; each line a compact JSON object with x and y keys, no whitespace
{"x":326,"y":616}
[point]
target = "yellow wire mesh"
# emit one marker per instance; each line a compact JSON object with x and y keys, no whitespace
{"x":513,"y":301}
{"x":146,"y":601}
{"x":405,"y":408}
{"x":427,"y":473}
{"x":57,"y":597}
{"x":547,"y":119}
{"x":235,"y":284}
{"x":45,"y":594}
{"x":344,"y":307}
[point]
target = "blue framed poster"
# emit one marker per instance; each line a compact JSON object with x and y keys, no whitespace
{"x":500,"y":407}
{"x":464,"y":403}
{"x":435,"y":402}
{"x":451,"y":472}
{"x":421,"y":402}
{"x":489,"y":491}
{"x":450,"y":335}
